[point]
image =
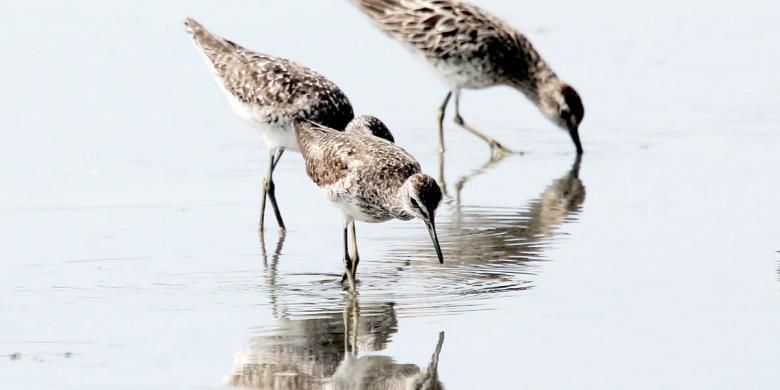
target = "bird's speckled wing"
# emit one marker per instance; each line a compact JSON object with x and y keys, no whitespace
{"x":281,"y":86}
{"x":453,"y":31}
{"x":365,"y":167}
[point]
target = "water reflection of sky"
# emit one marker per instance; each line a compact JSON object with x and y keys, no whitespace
{"x":129,"y":206}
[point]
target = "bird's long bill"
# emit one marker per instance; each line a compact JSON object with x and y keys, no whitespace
{"x":435,"y":239}
{"x":575,"y":137}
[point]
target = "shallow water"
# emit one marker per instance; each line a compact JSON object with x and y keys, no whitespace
{"x":128,"y":214}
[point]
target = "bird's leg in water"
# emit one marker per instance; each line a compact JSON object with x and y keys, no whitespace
{"x":348,"y":276}
{"x":496,"y":149}
{"x":269,"y":189}
{"x":354,"y":253}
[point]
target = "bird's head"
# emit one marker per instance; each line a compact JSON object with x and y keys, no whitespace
{"x":421,"y":198}
{"x":369,"y":125}
{"x":562,"y":105}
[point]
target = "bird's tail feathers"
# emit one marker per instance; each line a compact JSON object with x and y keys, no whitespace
{"x":205,"y":40}
{"x":378,"y":7}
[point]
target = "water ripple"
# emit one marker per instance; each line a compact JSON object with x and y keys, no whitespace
{"x":489,"y":252}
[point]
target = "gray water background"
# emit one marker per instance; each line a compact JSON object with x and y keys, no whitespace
{"x":129,"y":256}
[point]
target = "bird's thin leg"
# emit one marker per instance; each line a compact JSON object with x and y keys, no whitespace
{"x":354,"y":253}
{"x":278,"y":156}
{"x":442,"y":111}
{"x":441,"y":181}
{"x":264,"y":190}
{"x":497,"y":150}
{"x":347,"y":261}
{"x":270,"y":189}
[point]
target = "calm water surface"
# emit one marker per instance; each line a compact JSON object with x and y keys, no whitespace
{"x":130,"y":256}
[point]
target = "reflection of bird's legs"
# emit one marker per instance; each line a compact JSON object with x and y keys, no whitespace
{"x":442,"y":110}
{"x":575,"y":168}
{"x":496,"y":149}
{"x":351,"y":309}
{"x":277,"y":251}
{"x":269,"y":190}
{"x":263,"y":252}
{"x":346,"y":330}
{"x":355,"y":322}
{"x":434,"y":366}
{"x":272,"y":272}
{"x":430,"y":378}
{"x":486,"y":166}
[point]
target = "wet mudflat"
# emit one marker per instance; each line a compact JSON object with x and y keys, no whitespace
{"x":128,"y":213}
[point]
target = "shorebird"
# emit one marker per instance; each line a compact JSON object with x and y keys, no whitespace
{"x":370,"y":180}
{"x":270,"y":92}
{"x":472,"y":49}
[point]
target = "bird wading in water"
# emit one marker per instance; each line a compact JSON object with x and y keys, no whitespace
{"x":472,"y":49}
{"x":370,"y":180}
{"x":270,"y":93}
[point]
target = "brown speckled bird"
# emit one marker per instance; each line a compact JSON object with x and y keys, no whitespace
{"x":369,"y":179}
{"x":270,"y":92}
{"x":471,"y":49}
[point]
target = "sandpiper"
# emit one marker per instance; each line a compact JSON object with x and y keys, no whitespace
{"x":471,"y":49}
{"x":370,"y":180}
{"x":270,"y":92}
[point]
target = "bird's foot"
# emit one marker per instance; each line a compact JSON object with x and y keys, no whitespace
{"x":498,"y":151}
{"x":347,"y":282}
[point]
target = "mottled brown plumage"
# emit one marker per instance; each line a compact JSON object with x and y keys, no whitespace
{"x":276,"y":90}
{"x":369,"y":179}
{"x":270,"y":93}
{"x":367,"y":170}
{"x":470,"y":48}
{"x":488,"y":50}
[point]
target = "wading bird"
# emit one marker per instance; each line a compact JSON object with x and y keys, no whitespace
{"x":370,"y":180}
{"x":270,"y":92}
{"x":471,"y":49}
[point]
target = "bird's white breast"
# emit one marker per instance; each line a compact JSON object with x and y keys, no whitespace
{"x":277,"y":134}
{"x":352,"y":209}
{"x":467,"y":74}
{"x":339,"y":193}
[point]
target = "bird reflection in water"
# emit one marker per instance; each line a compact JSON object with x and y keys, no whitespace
{"x":323,"y":352}
{"x":380,"y":372}
{"x":488,"y":247}
{"x":563,"y":197}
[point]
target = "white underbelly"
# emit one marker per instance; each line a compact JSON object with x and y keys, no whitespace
{"x":470,"y":75}
{"x":279,"y":134}
{"x":353,"y":210}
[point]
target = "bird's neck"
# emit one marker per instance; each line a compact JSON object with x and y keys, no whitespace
{"x":536,"y":86}
{"x":398,"y":203}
